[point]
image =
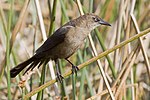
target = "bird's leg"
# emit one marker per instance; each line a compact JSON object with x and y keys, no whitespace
{"x":74,"y":68}
{"x":59,"y":76}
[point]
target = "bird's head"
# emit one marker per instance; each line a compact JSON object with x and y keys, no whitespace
{"x":92,"y":21}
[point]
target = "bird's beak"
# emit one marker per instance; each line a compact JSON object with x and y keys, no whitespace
{"x":104,"y":23}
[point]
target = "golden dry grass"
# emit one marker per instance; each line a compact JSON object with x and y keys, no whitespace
{"x":24,"y":27}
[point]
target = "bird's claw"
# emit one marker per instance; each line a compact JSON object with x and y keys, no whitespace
{"x":59,"y":77}
{"x":74,"y":69}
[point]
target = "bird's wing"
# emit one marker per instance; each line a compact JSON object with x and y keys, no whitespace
{"x":55,"y":39}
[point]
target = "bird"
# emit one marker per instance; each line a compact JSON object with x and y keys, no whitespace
{"x":63,"y":43}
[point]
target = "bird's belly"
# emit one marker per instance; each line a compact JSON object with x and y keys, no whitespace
{"x":65,"y":49}
{"x":70,"y":45}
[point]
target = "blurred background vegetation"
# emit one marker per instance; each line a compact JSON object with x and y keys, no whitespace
{"x":25,"y":24}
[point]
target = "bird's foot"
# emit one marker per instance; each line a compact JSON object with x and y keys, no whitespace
{"x":74,"y":69}
{"x":59,"y":77}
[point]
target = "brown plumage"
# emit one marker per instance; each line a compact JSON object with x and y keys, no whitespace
{"x":62,"y":44}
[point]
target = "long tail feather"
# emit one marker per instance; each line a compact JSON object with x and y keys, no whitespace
{"x":32,"y":66}
{"x":16,"y":70}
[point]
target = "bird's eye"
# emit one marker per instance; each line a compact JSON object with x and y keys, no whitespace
{"x":95,"y":19}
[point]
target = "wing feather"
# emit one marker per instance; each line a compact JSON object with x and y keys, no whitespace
{"x":55,"y":39}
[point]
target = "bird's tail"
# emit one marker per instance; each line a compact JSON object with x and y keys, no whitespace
{"x":33,"y":61}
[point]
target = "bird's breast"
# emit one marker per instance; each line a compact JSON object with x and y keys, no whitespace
{"x":72,"y":42}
